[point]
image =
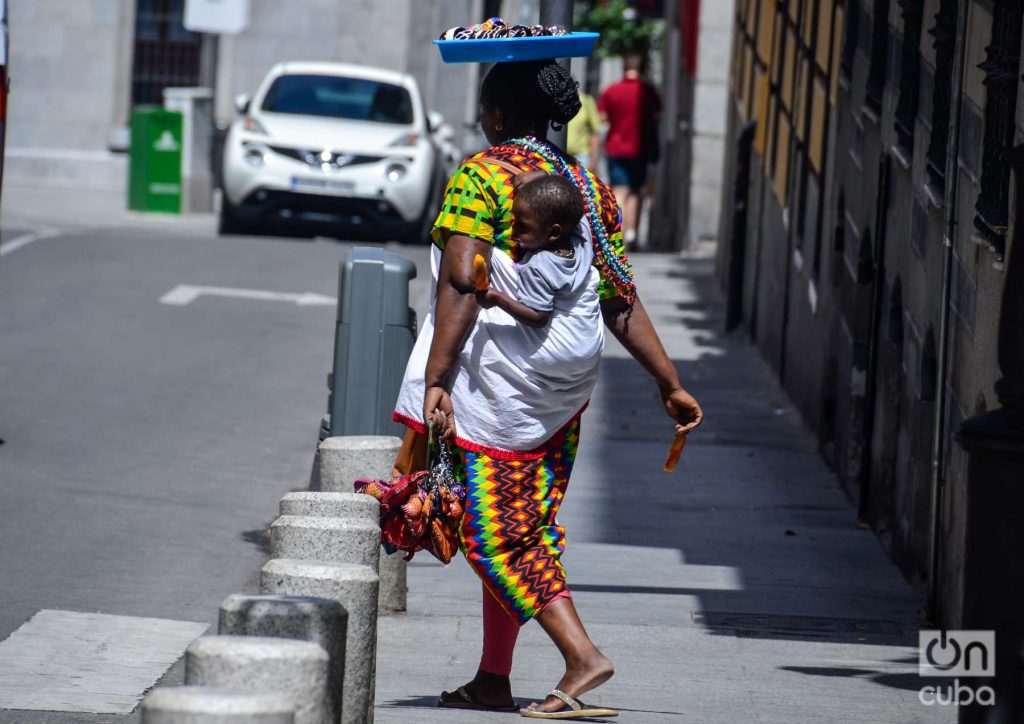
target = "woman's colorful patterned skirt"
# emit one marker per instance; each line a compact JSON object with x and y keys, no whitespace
{"x":509,"y":533}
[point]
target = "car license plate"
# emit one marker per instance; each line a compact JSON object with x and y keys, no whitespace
{"x":322,"y":185}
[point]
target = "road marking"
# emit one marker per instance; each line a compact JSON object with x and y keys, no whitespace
{"x":26,"y":239}
{"x":185,"y":294}
{"x":88,"y":662}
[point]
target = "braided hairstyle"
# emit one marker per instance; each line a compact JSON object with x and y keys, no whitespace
{"x":533,"y":93}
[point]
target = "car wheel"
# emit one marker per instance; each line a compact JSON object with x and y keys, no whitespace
{"x":418,"y":232}
{"x":229,"y":222}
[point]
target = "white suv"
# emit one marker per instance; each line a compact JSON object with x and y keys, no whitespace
{"x":344,"y":149}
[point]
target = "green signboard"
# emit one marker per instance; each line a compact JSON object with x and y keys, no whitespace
{"x":154,"y":182}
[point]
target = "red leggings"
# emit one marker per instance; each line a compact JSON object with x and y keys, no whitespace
{"x":500,"y":634}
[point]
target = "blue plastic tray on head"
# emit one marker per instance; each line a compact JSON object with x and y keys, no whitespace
{"x":500,"y":50}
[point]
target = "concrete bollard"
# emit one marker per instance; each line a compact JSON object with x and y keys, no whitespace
{"x":295,"y":668}
{"x":336,"y":540}
{"x":345,"y":458}
{"x":391,"y":569}
{"x":215,"y":705}
{"x":332,"y":505}
{"x":354,"y":587}
{"x":323,"y":621}
{"x":394,"y":587}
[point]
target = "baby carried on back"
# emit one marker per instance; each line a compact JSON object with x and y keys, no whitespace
{"x":538,"y":340}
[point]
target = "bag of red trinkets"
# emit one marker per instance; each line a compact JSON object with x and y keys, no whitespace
{"x":423,"y":510}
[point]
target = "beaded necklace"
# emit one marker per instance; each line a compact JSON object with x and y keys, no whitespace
{"x":618,"y":272}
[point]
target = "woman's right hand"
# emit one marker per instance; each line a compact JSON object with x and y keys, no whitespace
{"x":438,"y":409}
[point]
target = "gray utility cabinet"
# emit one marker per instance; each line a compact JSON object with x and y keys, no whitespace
{"x":374,"y":335}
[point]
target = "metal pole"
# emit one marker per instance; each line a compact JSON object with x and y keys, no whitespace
{"x":877,"y":297}
{"x":492,"y":8}
{"x":664,"y":210}
{"x":557,"y":12}
{"x":934,"y":608}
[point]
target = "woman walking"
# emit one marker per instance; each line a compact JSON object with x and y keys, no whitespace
{"x":509,"y":398}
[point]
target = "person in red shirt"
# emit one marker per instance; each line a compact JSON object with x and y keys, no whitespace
{"x":631,"y":109}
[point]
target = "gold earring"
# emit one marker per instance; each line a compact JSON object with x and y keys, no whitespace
{"x":498,"y":127}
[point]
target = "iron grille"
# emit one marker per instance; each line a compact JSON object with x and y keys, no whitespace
{"x":944,"y":41}
{"x":165,"y":53}
{"x":850,"y":38}
{"x":1001,"y":66}
{"x":910,"y":71}
{"x":320,"y":159}
{"x":876,"y":69}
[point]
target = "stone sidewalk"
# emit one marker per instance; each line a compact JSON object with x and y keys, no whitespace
{"x":737,"y":589}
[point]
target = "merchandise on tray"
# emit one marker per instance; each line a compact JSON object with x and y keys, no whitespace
{"x":498,"y":28}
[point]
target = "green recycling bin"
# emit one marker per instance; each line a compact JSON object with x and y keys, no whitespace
{"x":154,"y":181}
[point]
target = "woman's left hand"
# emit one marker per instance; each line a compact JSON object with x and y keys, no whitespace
{"x":682,"y":407}
{"x":438,"y":409}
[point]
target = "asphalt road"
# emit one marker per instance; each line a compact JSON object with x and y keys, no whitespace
{"x":145,"y":446}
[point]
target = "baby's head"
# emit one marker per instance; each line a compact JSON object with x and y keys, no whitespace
{"x":545,"y":210}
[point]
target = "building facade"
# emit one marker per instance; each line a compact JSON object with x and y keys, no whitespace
{"x":866,"y":219}
{"x":710,"y":93}
{"x":78,"y":68}
{"x":696,"y":47}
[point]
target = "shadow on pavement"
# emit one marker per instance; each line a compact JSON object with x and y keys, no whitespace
{"x":752,"y":499}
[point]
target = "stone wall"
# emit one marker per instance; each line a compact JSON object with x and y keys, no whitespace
{"x":69,"y":68}
{"x":843,"y":284}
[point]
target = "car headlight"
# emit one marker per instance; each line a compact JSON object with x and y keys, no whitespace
{"x":251,"y":124}
{"x":254,"y":155}
{"x":396,"y":171}
{"x":408,"y":139}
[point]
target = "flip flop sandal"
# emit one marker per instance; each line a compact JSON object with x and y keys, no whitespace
{"x":576,"y":709}
{"x":460,"y":699}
